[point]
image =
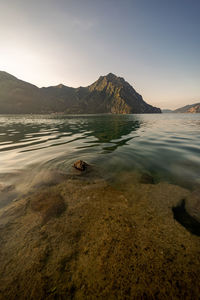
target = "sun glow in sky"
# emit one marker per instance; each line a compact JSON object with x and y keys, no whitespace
{"x":153,"y":44}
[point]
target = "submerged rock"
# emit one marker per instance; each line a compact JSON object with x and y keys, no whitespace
{"x":80,"y":165}
{"x":147,"y":179}
{"x":48,"y":204}
{"x":87,"y":240}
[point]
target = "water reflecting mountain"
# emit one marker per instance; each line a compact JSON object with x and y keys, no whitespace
{"x":166,"y":146}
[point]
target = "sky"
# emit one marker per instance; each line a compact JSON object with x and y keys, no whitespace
{"x":153,"y":44}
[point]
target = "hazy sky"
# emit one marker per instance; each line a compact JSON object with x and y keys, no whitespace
{"x":153,"y":44}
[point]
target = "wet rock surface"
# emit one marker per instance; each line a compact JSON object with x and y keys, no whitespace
{"x":80,"y":165}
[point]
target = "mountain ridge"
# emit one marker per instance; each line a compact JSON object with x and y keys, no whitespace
{"x":108,"y":94}
{"x":190,"y":108}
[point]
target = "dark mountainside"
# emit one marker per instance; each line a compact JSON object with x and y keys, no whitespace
{"x":193,"y":108}
{"x":109,"y":94}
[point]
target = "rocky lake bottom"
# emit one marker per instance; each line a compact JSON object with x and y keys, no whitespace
{"x":128,"y":227}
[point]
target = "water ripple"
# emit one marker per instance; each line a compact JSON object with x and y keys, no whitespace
{"x":167,"y":145}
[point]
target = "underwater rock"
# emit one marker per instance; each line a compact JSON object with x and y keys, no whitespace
{"x":80,"y":165}
{"x":147,"y":179}
{"x":48,"y":204}
{"x":87,"y":240}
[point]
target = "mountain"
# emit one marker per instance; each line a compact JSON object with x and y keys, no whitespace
{"x":193,"y":108}
{"x":109,"y":94}
{"x":17,"y":96}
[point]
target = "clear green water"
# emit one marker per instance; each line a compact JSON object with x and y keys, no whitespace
{"x":165,"y":145}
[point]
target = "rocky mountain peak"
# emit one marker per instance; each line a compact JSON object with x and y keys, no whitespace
{"x":108,"y":81}
{"x":112,"y":78}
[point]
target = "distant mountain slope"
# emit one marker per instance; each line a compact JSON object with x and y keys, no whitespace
{"x":194,"y":108}
{"x":17,"y":96}
{"x":109,"y":94}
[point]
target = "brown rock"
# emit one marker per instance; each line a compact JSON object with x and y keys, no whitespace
{"x":80,"y":165}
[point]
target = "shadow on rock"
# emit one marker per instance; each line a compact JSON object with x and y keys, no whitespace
{"x":186,"y":220}
{"x":49,"y":205}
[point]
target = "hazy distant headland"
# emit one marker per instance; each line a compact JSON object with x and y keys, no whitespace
{"x":192,"y":108}
{"x":109,"y":94}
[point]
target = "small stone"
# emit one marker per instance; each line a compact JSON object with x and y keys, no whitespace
{"x":80,"y":165}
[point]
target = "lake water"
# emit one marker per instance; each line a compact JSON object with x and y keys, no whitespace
{"x":166,"y":146}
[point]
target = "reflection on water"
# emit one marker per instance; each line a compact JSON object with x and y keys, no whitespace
{"x":20,"y":133}
{"x":111,"y":131}
{"x":166,"y":146}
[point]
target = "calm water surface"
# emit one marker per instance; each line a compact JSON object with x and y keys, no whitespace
{"x":165,"y":145}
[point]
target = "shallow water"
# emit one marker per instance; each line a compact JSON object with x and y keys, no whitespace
{"x":167,"y":146}
{"x":83,"y":238}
